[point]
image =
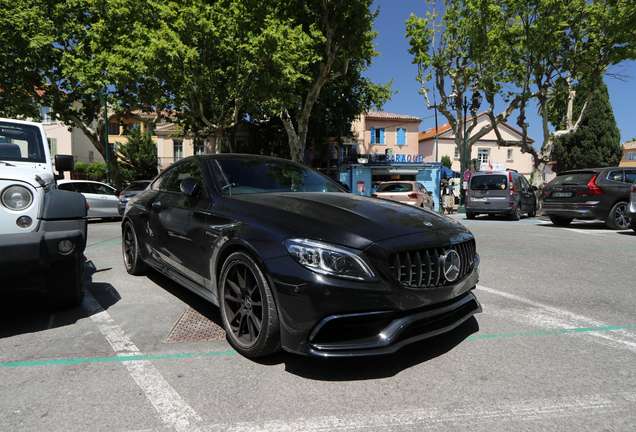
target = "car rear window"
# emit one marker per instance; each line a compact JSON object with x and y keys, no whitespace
{"x":488,"y":182}
{"x":395,"y":187}
{"x":572,"y":179}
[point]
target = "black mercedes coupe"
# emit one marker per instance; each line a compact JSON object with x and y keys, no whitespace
{"x":295,"y":262}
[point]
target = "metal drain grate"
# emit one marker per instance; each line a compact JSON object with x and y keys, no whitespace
{"x":194,"y":327}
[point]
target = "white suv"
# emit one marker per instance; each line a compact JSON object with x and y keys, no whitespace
{"x":42,"y":229}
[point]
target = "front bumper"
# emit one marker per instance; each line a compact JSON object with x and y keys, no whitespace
{"x":332,"y":317}
{"x":25,"y":256}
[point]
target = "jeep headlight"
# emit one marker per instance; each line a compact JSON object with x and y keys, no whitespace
{"x":329,"y":259}
{"x":16,"y":197}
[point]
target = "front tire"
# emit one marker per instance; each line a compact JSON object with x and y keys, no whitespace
{"x":616,"y":218}
{"x":470,"y":215}
{"x":248,"y":310}
{"x":65,"y":283}
{"x":130,"y":251}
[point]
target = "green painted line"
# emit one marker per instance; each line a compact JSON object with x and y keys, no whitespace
{"x":104,"y":241}
{"x":60,"y":362}
{"x":113,"y":359}
{"x":556,"y":250}
{"x":102,"y":247}
{"x":550,"y":332}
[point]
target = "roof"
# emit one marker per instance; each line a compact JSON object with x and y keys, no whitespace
{"x":629,"y":145}
{"x":430,"y":133}
{"x":390,"y":116}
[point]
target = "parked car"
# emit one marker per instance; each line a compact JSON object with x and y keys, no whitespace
{"x":101,"y":198}
{"x":500,"y":192}
{"x":407,"y":192}
{"x":42,"y":229}
{"x":631,"y":208}
{"x":130,"y":191}
{"x":295,"y":262}
{"x":594,"y":193}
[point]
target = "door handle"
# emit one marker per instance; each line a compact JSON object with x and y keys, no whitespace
{"x":156,"y":204}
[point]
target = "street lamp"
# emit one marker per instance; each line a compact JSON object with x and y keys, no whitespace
{"x":103,"y":93}
{"x":456,"y":103}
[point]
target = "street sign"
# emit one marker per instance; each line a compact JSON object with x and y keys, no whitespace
{"x":467,"y":175}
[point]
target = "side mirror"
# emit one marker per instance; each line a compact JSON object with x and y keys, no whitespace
{"x":63,"y":163}
{"x":190,"y":187}
{"x":430,"y":193}
{"x":534,"y":188}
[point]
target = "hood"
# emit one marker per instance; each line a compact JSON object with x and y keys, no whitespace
{"x":344,"y":218}
{"x":26,"y":172}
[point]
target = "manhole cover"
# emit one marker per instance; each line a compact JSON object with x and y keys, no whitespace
{"x":194,"y":327}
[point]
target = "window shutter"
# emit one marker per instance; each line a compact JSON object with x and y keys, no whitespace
{"x":372,"y":135}
{"x":381,"y":135}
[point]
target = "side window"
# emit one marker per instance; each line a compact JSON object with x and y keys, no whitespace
{"x":83,"y":187}
{"x":615,"y":176}
{"x":160,"y":182}
{"x":517,"y":182}
{"x":101,"y":189}
{"x":181,"y":172}
{"x":630,"y":176}
{"x":66,"y":187}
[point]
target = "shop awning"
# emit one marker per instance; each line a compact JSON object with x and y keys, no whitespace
{"x":447,"y":173}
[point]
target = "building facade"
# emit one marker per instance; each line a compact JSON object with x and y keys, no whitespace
{"x":629,"y":154}
{"x":486,"y":151}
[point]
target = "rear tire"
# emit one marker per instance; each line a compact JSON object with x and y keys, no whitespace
{"x":248,"y":310}
{"x":516,"y":214}
{"x":560,"y":221}
{"x":616,"y":218}
{"x":65,"y":283}
{"x":130,"y":251}
{"x":633,"y":224}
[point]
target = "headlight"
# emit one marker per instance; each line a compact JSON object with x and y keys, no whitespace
{"x":329,"y":259}
{"x":16,"y":197}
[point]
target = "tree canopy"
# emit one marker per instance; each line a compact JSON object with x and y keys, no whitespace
{"x":597,"y":143}
{"x":542,"y":50}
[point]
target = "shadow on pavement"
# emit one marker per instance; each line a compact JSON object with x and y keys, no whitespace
{"x":28,"y":311}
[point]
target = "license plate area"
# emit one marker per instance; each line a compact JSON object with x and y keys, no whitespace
{"x":479,"y":199}
{"x":562,"y":194}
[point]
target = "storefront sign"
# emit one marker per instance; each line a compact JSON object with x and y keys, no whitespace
{"x":399,"y":158}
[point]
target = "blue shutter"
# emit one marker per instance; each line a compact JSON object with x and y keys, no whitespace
{"x":381,"y":135}
{"x":401,"y":136}
{"x":372,"y":135}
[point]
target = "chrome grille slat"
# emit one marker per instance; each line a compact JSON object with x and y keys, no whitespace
{"x":421,"y":268}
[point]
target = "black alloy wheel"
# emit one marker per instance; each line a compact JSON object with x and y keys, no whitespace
{"x":130,"y":251}
{"x":616,"y":218}
{"x":248,"y":311}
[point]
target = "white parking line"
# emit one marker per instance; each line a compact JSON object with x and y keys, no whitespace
{"x":172,"y":409}
{"x":446,"y":418}
{"x":550,"y":317}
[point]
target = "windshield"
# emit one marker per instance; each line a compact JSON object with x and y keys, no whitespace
{"x":253,"y":175}
{"x":21,"y":143}
{"x":488,"y":182}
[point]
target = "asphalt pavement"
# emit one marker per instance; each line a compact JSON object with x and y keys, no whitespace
{"x":554,"y":349}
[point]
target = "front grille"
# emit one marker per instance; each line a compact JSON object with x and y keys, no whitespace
{"x":423,"y":269}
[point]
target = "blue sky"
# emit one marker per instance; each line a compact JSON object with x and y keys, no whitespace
{"x":395,"y":63}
